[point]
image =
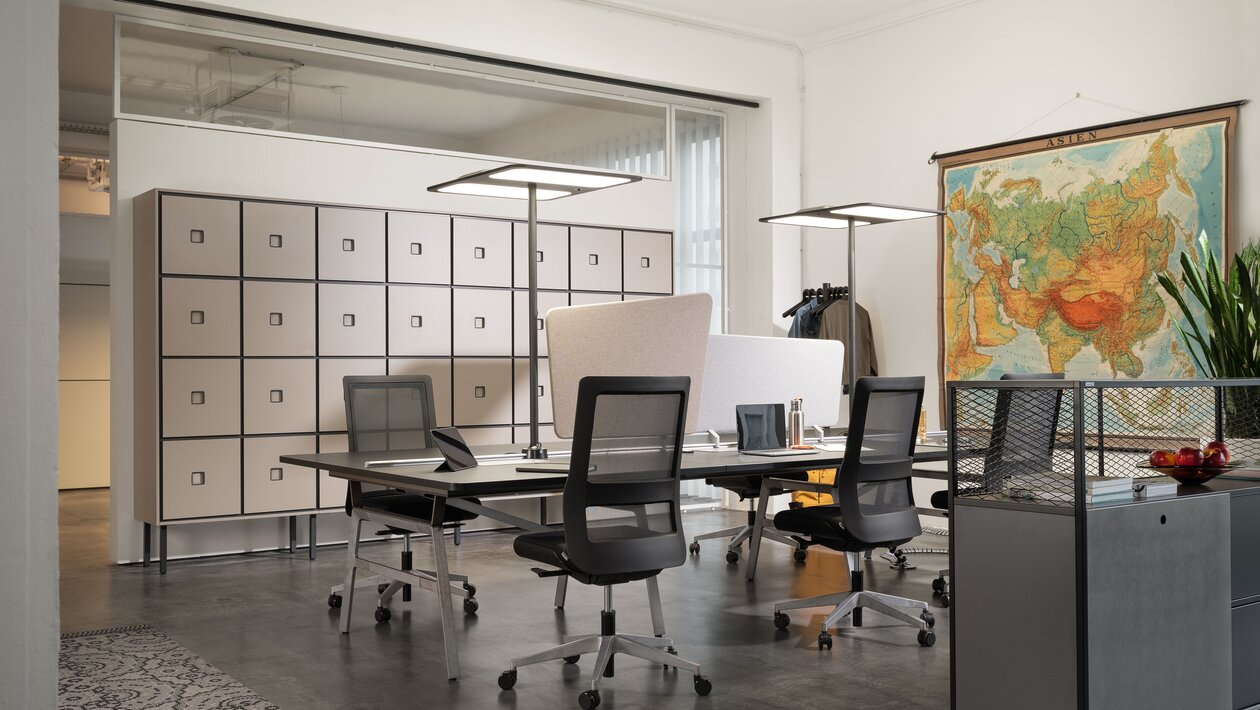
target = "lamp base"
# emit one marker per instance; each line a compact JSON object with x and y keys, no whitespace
{"x":535,"y":451}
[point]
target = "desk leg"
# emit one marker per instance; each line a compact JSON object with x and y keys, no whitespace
{"x":311,"y":535}
{"x":444,"y":588}
{"x":759,"y":525}
{"x":148,"y":543}
{"x":292,"y":533}
{"x":162,"y":549}
{"x":352,"y":559}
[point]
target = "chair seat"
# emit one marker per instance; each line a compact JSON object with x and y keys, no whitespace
{"x":550,"y":549}
{"x":825,"y":526}
{"x":414,"y":505}
{"x":750,"y":486}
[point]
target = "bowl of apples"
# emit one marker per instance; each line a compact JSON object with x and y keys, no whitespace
{"x":1192,"y":466}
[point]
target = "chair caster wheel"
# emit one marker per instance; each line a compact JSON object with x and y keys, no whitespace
{"x":334,"y":601}
{"x":694,"y":548}
{"x":704,"y":686}
{"x":382,"y":614}
{"x":824,"y":641}
{"x":945,"y":600}
{"x":571,"y":659}
{"x":380,"y":588}
{"x":470,"y":607}
{"x":781,"y":620}
{"x":507,"y":679}
{"x":589,"y":699}
{"x":927,"y":638}
{"x":732,"y":557}
{"x":938,"y":586}
{"x":470,"y":590}
{"x":799,"y":555}
{"x":929,"y":618}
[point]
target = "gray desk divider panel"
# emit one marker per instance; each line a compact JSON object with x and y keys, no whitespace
{"x":741,"y":369}
{"x":657,"y":337}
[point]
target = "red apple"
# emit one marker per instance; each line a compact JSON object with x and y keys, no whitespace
{"x":1162,"y":457}
{"x":1219,"y":446}
{"x":1214,"y":458}
{"x":1189,"y":456}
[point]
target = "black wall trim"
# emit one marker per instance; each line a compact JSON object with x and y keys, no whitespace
{"x":467,"y":56}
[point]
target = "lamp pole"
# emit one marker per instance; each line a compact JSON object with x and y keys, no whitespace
{"x":850,"y":352}
{"x":535,"y":450}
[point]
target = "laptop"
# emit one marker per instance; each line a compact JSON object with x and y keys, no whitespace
{"x":762,"y":431}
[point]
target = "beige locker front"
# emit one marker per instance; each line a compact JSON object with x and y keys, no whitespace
{"x":351,"y":244}
{"x":201,"y":235}
{"x":419,"y":248}
{"x":332,"y":491}
{"x":483,"y":391}
{"x":419,"y":320}
{"x":527,"y":508}
{"x":439,"y":371}
{"x":201,"y":478}
{"x":351,"y":319}
{"x":332,"y":403}
{"x":520,"y":320}
{"x":649,"y":262}
{"x":586,"y":299}
{"x":594,"y":259}
{"x":482,"y":322}
{"x":481,"y":252}
{"x":638,"y":297}
{"x":487,"y":436}
{"x":520,"y":381}
{"x":201,"y":317}
{"x":279,"y":319}
{"x":278,"y":240}
{"x":279,"y":396}
{"x":552,"y":256}
{"x":271,"y":486}
{"x":201,"y":397}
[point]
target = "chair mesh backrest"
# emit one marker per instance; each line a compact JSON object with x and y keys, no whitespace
{"x":621,"y":508}
{"x":873,"y":483}
{"x":385,"y":413}
{"x":1027,"y":448}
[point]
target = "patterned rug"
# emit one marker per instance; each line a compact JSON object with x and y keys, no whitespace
{"x":137,"y":668}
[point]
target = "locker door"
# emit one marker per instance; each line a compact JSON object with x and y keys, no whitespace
{"x":278,"y":240}
{"x":273,"y":486}
{"x":201,"y":317}
{"x":351,"y":319}
{"x":520,"y":325}
{"x":279,"y":319}
{"x":419,"y":320}
{"x":201,"y":478}
{"x":351,"y":244}
{"x":552,"y":256}
{"x":594,"y":259}
{"x":201,"y":397}
{"x":332,"y":403}
{"x":483,"y":391}
{"x":649,"y":262}
{"x":481,"y":252}
{"x":279,"y":396}
{"x":201,"y":235}
{"x":419,"y":248}
{"x":482,"y":322}
{"x":439,"y":370}
{"x":520,"y":380}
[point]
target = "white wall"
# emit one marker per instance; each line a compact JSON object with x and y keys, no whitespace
{"x":879,"y":104}
{"x":28,"y":319}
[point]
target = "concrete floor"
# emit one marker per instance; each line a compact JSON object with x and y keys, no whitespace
{"x":263,"y":618}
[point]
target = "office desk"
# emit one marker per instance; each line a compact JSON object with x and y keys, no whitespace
{"x":499,"y":477}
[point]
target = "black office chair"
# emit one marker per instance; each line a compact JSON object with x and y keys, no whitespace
{"x":874,"y":506}
{"x":622,"y":520}
{"x":1037,"y":411}
{"x":388,"y":413}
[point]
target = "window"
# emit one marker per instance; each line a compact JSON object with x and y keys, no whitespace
{"x":698,"y":176}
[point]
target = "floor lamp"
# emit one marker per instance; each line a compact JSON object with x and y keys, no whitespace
{"x":533,"y":183}
{"x":851,"y":217}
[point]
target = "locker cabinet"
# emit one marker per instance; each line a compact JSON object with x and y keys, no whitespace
{"x":481,"y":252}
{"x":269,"y":485}
{"x":520,"y":321}
{"x":419,"y":247}
{"x":482,"y":391}
{"x":594,"y":259}
{"x":552,"y":256}
{"x":201,"y":478}
{"x":278,"y":319}
{"x":279,"y":396}
{"x":351,"y":244}
{"x":200,"y":235}
{"x":482,"y":322}
{"x":201,"y":317}
{"x":649,"y":262}
{"x":278,"y":240}
{"x":351,"y":319}
{"x":419,"y":320}
{"x":201,"y":397}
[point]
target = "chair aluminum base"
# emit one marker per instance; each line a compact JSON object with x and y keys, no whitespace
{"x":848,"y":602}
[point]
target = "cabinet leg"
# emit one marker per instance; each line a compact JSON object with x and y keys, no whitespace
{"x":292,"y":533}
{"x":162,"y":549}
{"x":148,"y":543}
{"x":312,"y":536}
{"x":456,"y":535}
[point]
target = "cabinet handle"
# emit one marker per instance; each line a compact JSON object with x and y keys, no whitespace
{"x":276,"y":319}
{"x":540,"y":323}
{"x":416,"y":248}
{"x":645,"y":263}
{"x":479,"y":252}
{"x":197,"y":317}
{"x":479,"y":392}
{"x":347,"y":319}
{"x":199,"y":478}
{"x":479,"y":322}
{"x":276,"y":241}
{"x":277,"y":396}
{"x":539,"y":256}
{"x":417,"y":321}
{"x":540,"y":391}
{"x":198,"y":397}
{"x":347,"y":245}
{"x":277,"y":474}
{"x":593,"y":259}
{"x":197,"y":236}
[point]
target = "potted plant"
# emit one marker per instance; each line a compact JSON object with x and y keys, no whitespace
{"x":1224,"y":340}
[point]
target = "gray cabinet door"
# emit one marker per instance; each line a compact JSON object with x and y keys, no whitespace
{"x":279,"y":396}
{"x":279,"y":319}
{"x":552,"y":256}
{"x":351,"y":244}
{"x":649,"y":262}
{"x":483,"y":391}
{"x":481,"y":252}
{"x":520,"y":380}
{"x":201,"y":397}
{"x":201,"y":478}
{"x":201,"y":317}
{"x":270,"y":486}
{"x":200,"y":235}
{"x":351,"y":319}
{"x":419,"y":248}
{"x":594,"y":259}
{"x":332,"y":491}
{"x":482,"y":323}
{"x":419,"y":320}
{"x":587,"y":299}
{"x":278,"y":240}
{"x":438,"y":370}
{"x":332,"y":402}
{"x":520,"y":320}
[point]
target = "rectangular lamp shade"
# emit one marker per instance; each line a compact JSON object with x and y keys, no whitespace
{"x":549,"y":176}
{"x":812,"y":220}
{"x":882,"y":213}
{"x":514,"y":181}
{"x":515,"y":192}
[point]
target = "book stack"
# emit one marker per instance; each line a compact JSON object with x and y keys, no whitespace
{"x":1108,"y":489}
{"x":1153,"y":487}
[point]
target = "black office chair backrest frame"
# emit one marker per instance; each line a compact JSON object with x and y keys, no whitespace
{"x":872,"y":486}
{"x":1036,"y":413}
{"x":621,"y":499}
{"x":385,"y":413}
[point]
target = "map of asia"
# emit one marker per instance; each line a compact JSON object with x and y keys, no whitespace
{"x":1050,"y":247}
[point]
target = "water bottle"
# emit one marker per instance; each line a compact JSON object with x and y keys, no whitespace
{"x":796,"y":424}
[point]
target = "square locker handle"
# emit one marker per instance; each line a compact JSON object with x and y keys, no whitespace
{"x":539,"y":256}
{"x":416,"y":248}
{"x":540,"y":391}
{"x":277,"y":474}
{"x":347,"y":245}
{"x":276,"y":319}
{"x":479,"y":322}
{"x":479,"y":392}
{"x":197,"y":317}
{"x":417,"y":321}
{"x":275,"y":241}
{"x":540,"y":323}
{"x":199,"y":478}
{"x":197,"y":236}
{"x":277,"y":396}
{"x":479,"y":252}
{"x":198,"y":397}
{"x":645,"y":262}
{"x":347,"y":319}
{"x":593,"y":259}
